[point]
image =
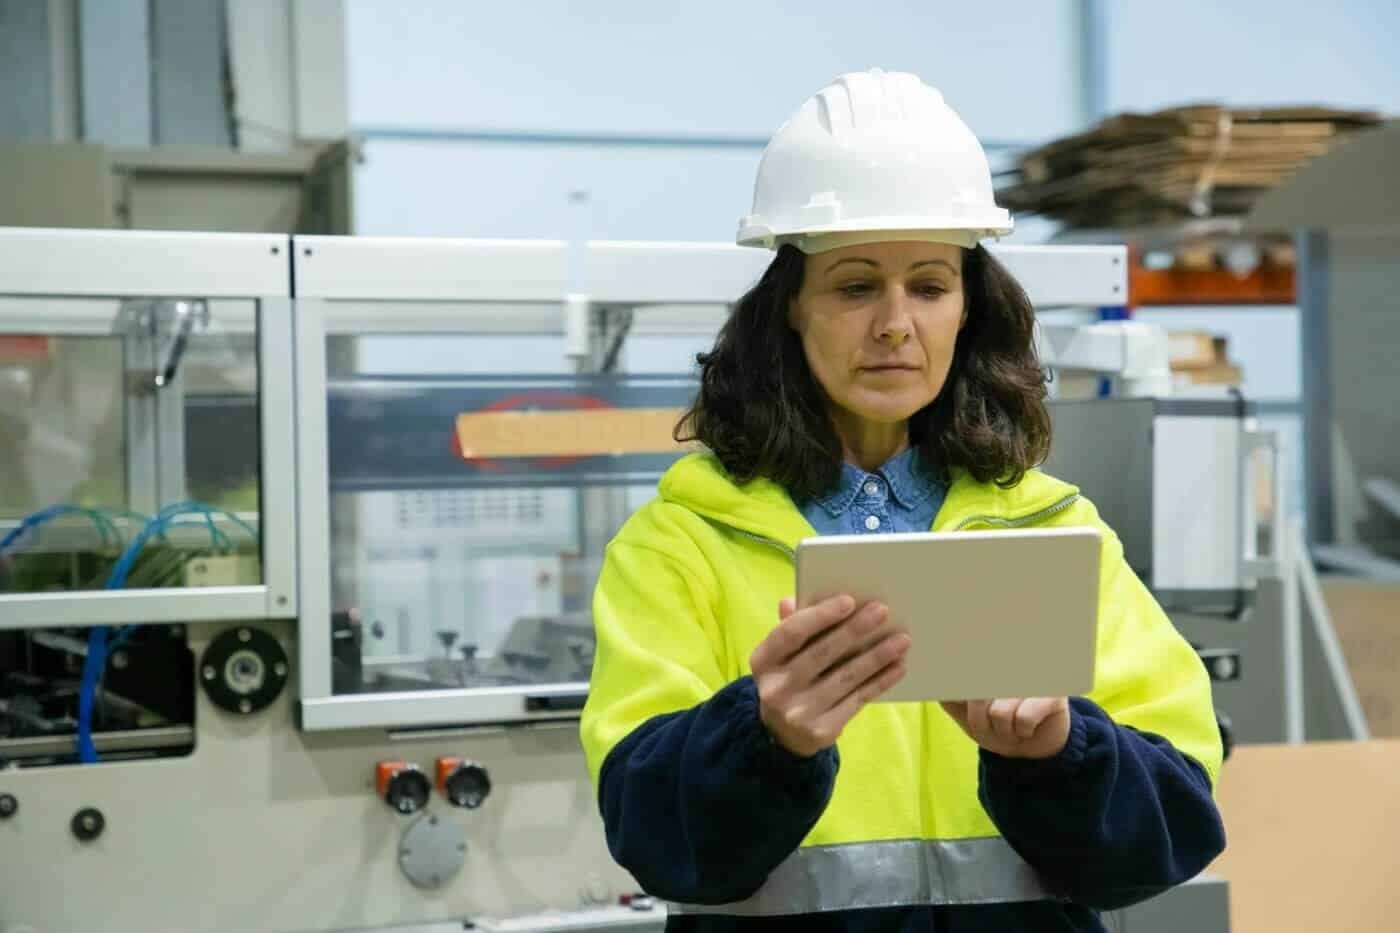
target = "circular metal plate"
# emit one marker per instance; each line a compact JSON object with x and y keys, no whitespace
{"x":432,"y":851}
{"x":243,"y":670}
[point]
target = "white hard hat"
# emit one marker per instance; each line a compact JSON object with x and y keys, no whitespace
{"x":873,"y":156}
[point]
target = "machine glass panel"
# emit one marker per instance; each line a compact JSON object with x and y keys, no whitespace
{"x":475,"y":480}
{"x":130,"y":442}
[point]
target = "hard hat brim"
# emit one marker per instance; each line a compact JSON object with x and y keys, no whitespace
{"x":754,"y":232}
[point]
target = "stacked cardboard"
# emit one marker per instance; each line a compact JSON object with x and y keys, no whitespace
{"x":1199,"y":358}
{"x":1160,"y":168}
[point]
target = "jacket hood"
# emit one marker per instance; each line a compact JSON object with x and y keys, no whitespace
{"x":761,"y":507}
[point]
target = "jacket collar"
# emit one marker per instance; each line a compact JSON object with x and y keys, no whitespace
{"x":903,"y":474}
{"x":764,"y":509}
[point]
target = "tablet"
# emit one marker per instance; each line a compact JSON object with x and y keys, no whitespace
{"x":990,"y":614}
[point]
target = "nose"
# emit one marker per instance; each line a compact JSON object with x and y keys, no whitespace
{"x":893,"y":319}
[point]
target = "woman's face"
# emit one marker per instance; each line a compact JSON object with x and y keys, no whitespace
{"x":878,"y":324}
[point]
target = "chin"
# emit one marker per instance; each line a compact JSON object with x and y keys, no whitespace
{"x":887,"y":410}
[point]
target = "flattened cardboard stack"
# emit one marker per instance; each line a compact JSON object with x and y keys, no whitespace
{"x":1197,"y":358}
{"x":1145,"y":169}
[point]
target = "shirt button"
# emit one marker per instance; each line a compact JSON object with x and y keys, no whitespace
{"x":872,"y":522}
{"x":871,"y":487}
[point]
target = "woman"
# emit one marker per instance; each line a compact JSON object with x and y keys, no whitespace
{"x":880,"y":377}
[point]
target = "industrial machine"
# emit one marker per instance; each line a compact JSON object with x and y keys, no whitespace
{"x":297,"y":543}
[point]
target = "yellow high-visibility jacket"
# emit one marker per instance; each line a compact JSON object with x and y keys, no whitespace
{"x":690,"y":586}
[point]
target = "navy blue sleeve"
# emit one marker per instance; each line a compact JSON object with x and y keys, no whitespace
{"x":701,"y":805}
{"x":1117,"y":817}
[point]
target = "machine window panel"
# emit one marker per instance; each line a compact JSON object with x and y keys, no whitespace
{"x":465,"y":545}
{"x":129,"y":433}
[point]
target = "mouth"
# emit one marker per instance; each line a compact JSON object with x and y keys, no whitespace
{"x":889,"y":368}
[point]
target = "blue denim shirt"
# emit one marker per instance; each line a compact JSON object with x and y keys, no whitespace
{"x":899,"y":496}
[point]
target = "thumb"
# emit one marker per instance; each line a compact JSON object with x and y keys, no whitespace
{"x":786,"y":607}
{"x":957,"y":710}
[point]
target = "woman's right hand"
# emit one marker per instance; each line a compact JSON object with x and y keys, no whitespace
{"x":812,"y":677}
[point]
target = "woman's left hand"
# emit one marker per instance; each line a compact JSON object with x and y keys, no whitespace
{"x":1015,"y":728}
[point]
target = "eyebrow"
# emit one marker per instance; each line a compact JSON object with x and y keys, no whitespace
{"x":935,"y":262}
{"x":870,"y":262}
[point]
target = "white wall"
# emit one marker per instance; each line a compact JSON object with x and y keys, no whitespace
{"x":714,"y":79}
{"x":720,"y":68}
{"x":1250,"y":52}
{"x":521,"y":190}
{"x":729,"y":72}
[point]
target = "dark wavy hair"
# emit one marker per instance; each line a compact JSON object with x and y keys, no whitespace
{"x":762,"y":412}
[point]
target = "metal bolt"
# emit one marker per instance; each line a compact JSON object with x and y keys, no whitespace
{"x":306,"y":251}
{"x":244,"y":706}
{"x":275,"y":251}
{"x":405,"y":852}
{"x":119,"y":660}
{"x":245,"y":635}
{"x":280,"y":669}
{"x":87,"y":824}
{"x":9,"y":806}
{"x":461,"y":847}
{"x":281,"y":600}
{"x":209,"y":672}
{"x":432,"y":821}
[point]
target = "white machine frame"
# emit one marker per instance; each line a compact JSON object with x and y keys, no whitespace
{"x":104,"y":265}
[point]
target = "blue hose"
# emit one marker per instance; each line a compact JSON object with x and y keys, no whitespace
{"x":98,"y":648}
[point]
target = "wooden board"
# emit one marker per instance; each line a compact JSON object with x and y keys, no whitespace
{"x":575,"y":433}
{"x":1313,"y":836}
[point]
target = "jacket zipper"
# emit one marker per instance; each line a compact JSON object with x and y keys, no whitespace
{"x":1024,"y":520}
{"x":791,"y":554}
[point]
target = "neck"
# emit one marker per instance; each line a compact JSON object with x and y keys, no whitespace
{"x":869,"y":445}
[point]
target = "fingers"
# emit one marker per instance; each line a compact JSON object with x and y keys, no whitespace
{"x":1004,"y":725}
{"x":837,"y":643}
{"x":957,"y":709}
{"x":786,"y":607}
{"x":854,"y":674}
{"x":793,"y":633}
{"x":1001,"y":714}
{"x":836,"y":718}
{"x":977,"y":722}
{"x":1031,"y":713}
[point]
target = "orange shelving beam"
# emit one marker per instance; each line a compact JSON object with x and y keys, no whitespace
{"x":1268,"y":284}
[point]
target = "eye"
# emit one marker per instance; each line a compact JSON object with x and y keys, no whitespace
{"x":929,"y":290}
{"x":856,"y":289}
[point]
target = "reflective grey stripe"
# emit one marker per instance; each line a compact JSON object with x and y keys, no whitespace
{"x":906,"y":873}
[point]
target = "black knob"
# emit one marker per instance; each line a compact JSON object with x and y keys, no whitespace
{"x":468,"y":786}
{"x":88,"y":824}
{"x":9,"y":806}
{"x":408,"y":791}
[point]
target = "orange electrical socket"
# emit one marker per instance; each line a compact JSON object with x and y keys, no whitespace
{"x":446,"y":766}
{"x":384,"y":773}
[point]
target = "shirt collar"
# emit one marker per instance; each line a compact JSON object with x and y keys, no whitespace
{"x":909,"y":483}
